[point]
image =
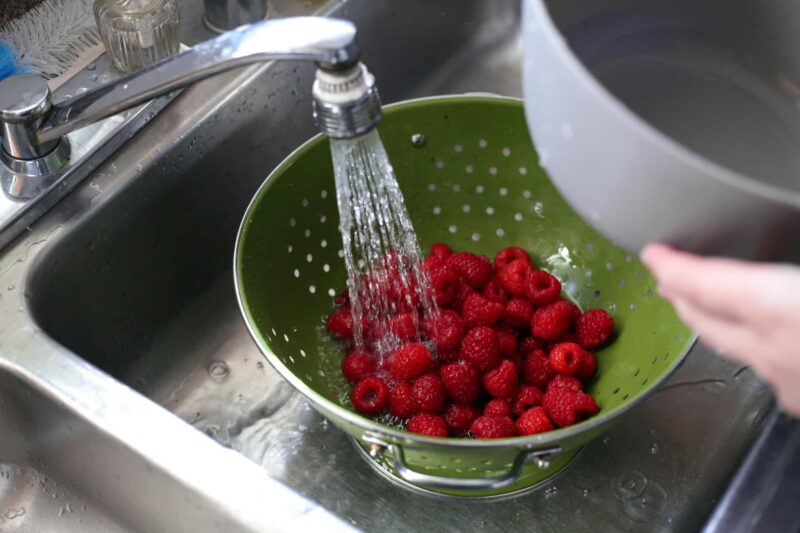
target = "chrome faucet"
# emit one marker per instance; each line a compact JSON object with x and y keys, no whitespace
{"x":35,"y":146}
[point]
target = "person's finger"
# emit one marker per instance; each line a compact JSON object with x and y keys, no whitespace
{"x":719,"y":333}
{"x":719,"y":286}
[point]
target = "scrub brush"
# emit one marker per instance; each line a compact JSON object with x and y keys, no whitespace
{"x":53,"y":39}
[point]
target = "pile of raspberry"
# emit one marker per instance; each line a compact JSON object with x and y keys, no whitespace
{"x":506,"y":355}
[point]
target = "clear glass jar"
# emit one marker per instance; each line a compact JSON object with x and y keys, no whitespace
{"x":138,"y":33}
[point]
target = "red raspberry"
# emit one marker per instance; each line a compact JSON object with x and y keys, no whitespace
{"x":340,"y":324}
{"x":342,"y":299}
{"x":507,"y":255}
{"x":403,"y":326}
{"x":514,"y":278}
{"x":566,"y":358}
{"x":561,"y":381}
{"x":536,"y":369}
{"x":357,"y":365}
{"x":428,"y":392}
{"x":527,"y":396}
{"x":493,"y":427}
{"x":478,"y":311}
{"x":461,"y":382}
{"x":459,"y":417}
{"x":441,"y":250}
{"x":588,"y":367}
{"x":410,"y":361}
{"x":479,"y":347}
{"x":463,"y":292}
{"x":529,"y":344}
{"x":518,"y":313}
{"x":497,"y":408}
{"x":494,"y":293}
{"x":445,"y":283}
{"x":534,"y":421}
{"x":543,"y":288}
{"x":566,"y":407}
{"x":401,"y":402}
{"x":502,"y":382}
{"x":370,"y":395}
{"x":476,"y":270}
{"x":506,"y":340}
{"x":428,"y":424}
{"x":446,"y":331}
{"x":594,"y":328}
{"x":553,"y":321}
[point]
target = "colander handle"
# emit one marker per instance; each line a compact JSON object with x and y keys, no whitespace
{"x":540,"y":457}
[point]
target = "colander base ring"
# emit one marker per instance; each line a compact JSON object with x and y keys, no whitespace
{"x":565,"y":460}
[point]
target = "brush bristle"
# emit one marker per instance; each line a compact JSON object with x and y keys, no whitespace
{"x":50,"y":37}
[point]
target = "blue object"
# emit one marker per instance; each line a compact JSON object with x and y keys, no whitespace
{"x":8,"y":62}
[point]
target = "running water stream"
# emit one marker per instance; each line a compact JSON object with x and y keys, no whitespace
{"x":381,"y":252}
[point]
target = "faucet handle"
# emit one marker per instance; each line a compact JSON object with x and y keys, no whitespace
{"x":25,"y":101}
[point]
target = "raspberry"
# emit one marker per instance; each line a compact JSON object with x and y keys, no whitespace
{"x":543,"y":288}
{"x":461,"y":382}
{"x":340,"y":324}
{"x":506,"y":340}
{"x":459,"y":417}
{"x":494,"y":293}
{"x":441,"y":250}
{"x":507,"y":255}
{"x":534,"y":421}
{"x":502,"y":382}
{"x":553,"y":321}
{"x":462,"y":293}
{"x":566,"y":358}
{"x":478,"y":311}
{"x":445,"y":283}
{"x":476,"y":270}
{"x":479,"y":347}
{"x":518,"y":313}
{"x":403,"y":326}
{"x":342,"y":299}
{"x":370,"y":395}
{"x":357,"y":365}
{"x":428,"y":392}
{"x":527,"y":396}
{"x":514,"y":278}
{"x":565,"y":382}
{"x":497,"y":408}
{"x":493,"y":427}
{"x":410,"y":361}
{"x":588,"y":367}
{"x":529,"y":344}
{"x":566,"y":407}
{"x":428,"y":424}
{"x":536,"y":369}
{"x":594,"y":328}
{"x":446,"y":330}
{"x":401,"y":402}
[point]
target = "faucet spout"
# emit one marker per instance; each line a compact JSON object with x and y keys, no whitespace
{"x":331,"y":43}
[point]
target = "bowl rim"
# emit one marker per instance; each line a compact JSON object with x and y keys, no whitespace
{"x":375,"y":429}
{"x":728,"y":176}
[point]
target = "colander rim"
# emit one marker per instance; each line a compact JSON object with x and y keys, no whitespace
{"x":331,"y":408}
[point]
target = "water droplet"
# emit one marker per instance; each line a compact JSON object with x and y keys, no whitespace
{"x":219,"y":371}
{"x":586,"y":492}
{"x":654,"y":448}
{"x":550,"y":492}
{"x":91,"y":66}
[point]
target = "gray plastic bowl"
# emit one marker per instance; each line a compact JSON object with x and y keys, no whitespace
{"x":671,"y":120}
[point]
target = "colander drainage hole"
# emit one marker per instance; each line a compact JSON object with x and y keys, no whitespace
{"x":625,"y":396}
{"x":615,"y":391}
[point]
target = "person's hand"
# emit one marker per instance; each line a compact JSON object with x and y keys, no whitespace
{"x":750,"y":312}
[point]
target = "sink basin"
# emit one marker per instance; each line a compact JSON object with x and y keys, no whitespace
{"x":142,"y":389}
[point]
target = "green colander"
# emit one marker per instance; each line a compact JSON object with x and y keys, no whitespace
{"x":472,"y":180}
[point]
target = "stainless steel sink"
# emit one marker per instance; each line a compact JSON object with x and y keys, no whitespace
{"x":127,"y":375}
